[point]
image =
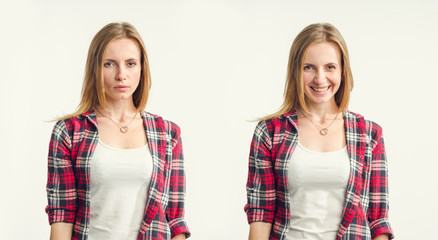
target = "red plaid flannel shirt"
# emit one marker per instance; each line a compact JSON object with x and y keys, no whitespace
{"x":365,"y":213}
{"x":68,"y":186}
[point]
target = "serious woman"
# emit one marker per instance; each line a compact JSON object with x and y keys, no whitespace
{"x":316,"y":169}
{"x":114,"y":170}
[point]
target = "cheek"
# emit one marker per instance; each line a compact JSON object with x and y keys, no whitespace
{"x":307,"y":78}
{"x":339,"y":79}
{"x":107,"y":84}
{"x":107,"y":76}
{"x":136,"y":75}
{"x":335,"y":78}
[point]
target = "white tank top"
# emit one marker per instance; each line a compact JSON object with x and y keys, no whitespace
{"x":120,"y":181}
{"x":317,"y":184}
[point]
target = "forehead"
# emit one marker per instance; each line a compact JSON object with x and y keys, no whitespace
{"x":323,"y":52}
{"x":123,"y":48}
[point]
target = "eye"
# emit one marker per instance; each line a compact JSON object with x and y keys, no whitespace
{"x":307,"y":67}
{"x":132,"y":64}
{"x":331,"y":67}
{"x":108,"y":64}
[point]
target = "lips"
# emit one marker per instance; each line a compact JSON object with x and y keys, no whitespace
{"x":320,"y":89}
{"x":122,"y":88}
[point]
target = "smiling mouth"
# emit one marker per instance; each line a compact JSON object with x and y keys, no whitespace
{"x":320,"y":89}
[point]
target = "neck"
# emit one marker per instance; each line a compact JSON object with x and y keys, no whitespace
{"x":320,"y":112}
{"x":119,"y":110}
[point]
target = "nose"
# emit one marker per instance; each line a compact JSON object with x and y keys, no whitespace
{"x":320,"y":77}
{"x":121,"y":74}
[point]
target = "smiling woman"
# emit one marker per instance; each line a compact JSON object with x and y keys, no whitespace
{"x":317,"y":170}
{"x":322,"y":72}
{"x":116,"y":171}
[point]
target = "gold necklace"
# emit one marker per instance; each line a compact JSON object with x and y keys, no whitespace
{"x":123,"y":129}
{"x":322,"y":130}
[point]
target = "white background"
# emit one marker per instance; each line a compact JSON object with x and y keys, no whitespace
{"x":216,"y":65}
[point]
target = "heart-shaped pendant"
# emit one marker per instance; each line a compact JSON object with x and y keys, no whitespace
{"x":124,"y":129}
{"x":323,"y":131}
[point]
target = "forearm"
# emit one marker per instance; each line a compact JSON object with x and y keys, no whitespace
{"x":259,"y":231}
{"x":61,"y":231}
{"x":381,"y":237}
{"x":181,"y":236}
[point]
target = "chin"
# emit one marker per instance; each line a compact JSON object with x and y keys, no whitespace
{"x":119,"y":97}
{"x":317,"y":101}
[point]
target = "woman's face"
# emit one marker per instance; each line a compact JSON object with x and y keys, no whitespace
{"x":121,"y":69}
{"x":322,"y":73}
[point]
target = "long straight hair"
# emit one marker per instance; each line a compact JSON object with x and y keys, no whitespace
{"x":294,"y":92}
{"x":93,"y":93}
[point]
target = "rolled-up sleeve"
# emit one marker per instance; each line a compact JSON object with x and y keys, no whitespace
{"x":379,"y":197}
{"x":61,"y":187}
{"x":260,"y":185}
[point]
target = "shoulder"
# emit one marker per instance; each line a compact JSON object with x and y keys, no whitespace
{"x":267,"y":129}
{"x":372,"y":128}
{"x":170,"y":127}
{"x":77,"y":121}
{"x":63,"y":131}
{"x":353,"y":117}
{"x":272,"y":123}
{"x":68,"y":124}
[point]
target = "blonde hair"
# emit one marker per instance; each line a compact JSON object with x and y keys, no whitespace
{"x":93,"y":93}
{"x":293,"y":92}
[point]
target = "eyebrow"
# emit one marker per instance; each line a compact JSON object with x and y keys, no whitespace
{"x":129,"y":59}
{"x":330,"y":63}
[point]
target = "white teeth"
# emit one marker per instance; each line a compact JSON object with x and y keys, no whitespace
{"x":320,"y":89}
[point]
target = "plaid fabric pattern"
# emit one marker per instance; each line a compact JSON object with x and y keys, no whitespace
{"x":68,"y":186}
{"x":365,"y":213}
